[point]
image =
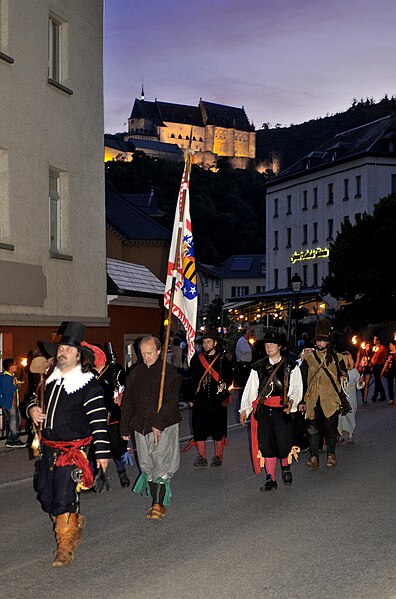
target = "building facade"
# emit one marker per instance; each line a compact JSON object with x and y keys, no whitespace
{"x":52,"y":227}
{"x":215,"y":130}
{"x":306,"y":204}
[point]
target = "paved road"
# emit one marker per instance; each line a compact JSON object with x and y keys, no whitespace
{"x":331,"y":534}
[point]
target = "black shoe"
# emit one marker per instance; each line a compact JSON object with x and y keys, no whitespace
{"x":381,"y":399}
{"x":200,"y":462}
{"x":17,"y":443}
{"x":287,"y":475}
{"x":124,"y":480}
{"x":373,"y":399}
{"x":216,"y":461}
{"x":269,"y":484}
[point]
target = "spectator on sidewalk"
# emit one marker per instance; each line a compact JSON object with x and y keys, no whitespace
{"x":377,"y":363}
{"x":9,"y":401}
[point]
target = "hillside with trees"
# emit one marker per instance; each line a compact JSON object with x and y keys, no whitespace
{"x":295,"y":141}
{"x":227,"y":207}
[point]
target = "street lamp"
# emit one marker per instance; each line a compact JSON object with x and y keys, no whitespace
{"x":296,"y":282}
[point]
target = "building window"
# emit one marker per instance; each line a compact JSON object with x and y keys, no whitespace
{"x":276,"y":247}
{"x":239,"y":291}
{"x":315,"y":233}
{"x":4,"y":195}
{"x":346,"y":190}
{"x":288,"y":276}
{"x":305,"y":200}
{"x":330,"y":227}
{"x":288,"y":200}
{"x":305,"y":235}
{"x":315,"y":275}
{"x":276,"y":202}
{"x":206,"y":299}
{"x":305,"y":273}
{"x":54,"y":211}
{"x":330,"y":193}
{"x":358,"y":184}
{"x":55,"y":49}
{"x":289,"y":237}
{"x":358,"y":216}
{"x":346,"y":219}
{"x":180,"y":137}
{"x":172,"y":135}
{"x":276,"y":278}
{"x":315,"y":197}
{"x":260,"y":288}
{"x":393,"y":184}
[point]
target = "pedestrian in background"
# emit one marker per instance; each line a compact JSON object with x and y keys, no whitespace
{"x":363,"y":364}
{"x":380,"y":354}
{"x":9,"y":401}
{"x":347,"y":423}
{"x":389,"y":372}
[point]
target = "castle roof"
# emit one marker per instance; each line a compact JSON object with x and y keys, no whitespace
{"x":206,"y":113}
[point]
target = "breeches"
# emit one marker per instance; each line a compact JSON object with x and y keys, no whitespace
{"x":209,"y":422}
{"x":56,"y":490}
{"x":118,"y":446}
{"x":321,"y":424}
{"x":276,"y":433}
{"x":163,"y":460}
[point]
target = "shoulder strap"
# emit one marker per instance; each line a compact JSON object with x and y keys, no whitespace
{"x":208,"y":368}
{"x":270,"y":379}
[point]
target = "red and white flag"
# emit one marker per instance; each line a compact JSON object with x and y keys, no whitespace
{"x":181,"y":265}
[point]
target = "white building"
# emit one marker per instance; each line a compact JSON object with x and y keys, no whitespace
{"x":307,"y":203}
{"x":52,"y":227}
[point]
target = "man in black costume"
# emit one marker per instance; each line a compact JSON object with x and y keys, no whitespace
{"x":74,"y":415}
{"x":272,"y":393}
{"x":112,"y":379}
{"x":210,"y":376}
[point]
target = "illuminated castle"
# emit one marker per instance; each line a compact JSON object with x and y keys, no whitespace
{"x":216,"y":130}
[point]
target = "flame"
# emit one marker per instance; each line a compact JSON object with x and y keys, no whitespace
{"x":375,"y":348}
{"x":24,"y":361}
{"x":363,"y":345}
{"x":394,"y":336}
{"x":252,"y":340}
{"x":354,"y":339}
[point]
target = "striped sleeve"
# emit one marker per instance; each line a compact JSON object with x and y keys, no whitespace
{"x":96,"y":414}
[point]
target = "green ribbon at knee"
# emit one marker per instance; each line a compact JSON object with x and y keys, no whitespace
{"x":142,"y":486}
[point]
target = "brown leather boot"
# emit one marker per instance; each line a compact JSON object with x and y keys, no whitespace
{"x":81,"y":522}
{"x":66,"y":529}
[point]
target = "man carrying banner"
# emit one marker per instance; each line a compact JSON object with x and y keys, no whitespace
{"x":210,"y":375}
{"x":156,"y":430}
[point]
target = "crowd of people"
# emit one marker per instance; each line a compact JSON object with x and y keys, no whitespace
{"x":92,"y":408}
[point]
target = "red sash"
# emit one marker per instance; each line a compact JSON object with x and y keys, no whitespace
{"x":71,"y":454}
{"x":213,"y":373}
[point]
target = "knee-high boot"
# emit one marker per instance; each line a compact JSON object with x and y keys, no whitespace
{"x":66,"y":531}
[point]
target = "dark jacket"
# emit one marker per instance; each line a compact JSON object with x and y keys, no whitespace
{"x":140,"y":403}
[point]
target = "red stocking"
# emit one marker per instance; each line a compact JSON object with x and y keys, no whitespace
{"x":219,"y":448}
{"x":270,"y":466}
{"x":201,"y":446}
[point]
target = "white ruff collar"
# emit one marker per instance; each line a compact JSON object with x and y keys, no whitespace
{"x":73,"y":380}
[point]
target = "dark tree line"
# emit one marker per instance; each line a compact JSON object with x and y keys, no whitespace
{"x":227,"y":207}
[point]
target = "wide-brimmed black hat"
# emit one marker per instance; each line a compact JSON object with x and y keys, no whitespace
{"x":69,"y":333}
{"x":273,"y":337}
{"x":211,"y":335}
{"x":323,"y":330}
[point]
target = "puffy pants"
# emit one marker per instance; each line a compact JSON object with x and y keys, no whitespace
{"x":56,"y":490}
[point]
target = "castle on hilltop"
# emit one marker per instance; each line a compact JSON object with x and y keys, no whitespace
{"x":216,"y":130}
